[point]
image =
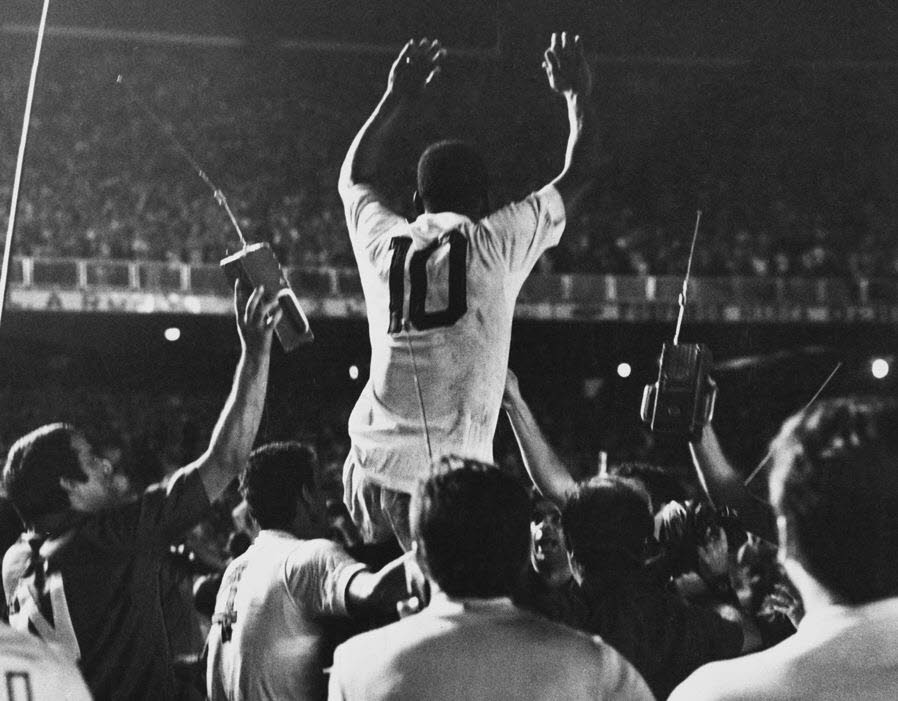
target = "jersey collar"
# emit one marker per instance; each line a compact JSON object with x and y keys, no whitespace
{"x":430,"y":226}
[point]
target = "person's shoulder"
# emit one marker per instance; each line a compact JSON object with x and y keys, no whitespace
{"x":380,"y":639}
{"x":317,"y":554}
{"x":15,"y":645}
{"x":303,"y":549}
{"x":744,"y":677}
{"x":22,"y":649}
{"x":559,"y":634}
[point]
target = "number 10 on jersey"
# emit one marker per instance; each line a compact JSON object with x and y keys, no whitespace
{"x":458,"y":293}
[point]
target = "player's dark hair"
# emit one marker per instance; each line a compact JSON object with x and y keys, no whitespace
{"x":835,"y":480}
{"x":274,"y":479}
{"x":472,"y":522}
{"x":606,"y":523}
{"x":34,"y":466}
{"x":452,"y":178}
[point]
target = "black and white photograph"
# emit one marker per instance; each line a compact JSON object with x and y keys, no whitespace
{"x":503,"y":350}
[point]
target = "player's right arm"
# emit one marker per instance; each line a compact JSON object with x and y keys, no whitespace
{"x":569,"y":74}
{"x":545,"y":468}
{"x":413,"y":70}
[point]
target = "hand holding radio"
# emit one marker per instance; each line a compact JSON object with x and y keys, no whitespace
{"x":256,"y":266}
{"x":257,"y":313}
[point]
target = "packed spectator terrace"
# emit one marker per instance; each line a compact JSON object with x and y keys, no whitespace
{"x":790,"y":165}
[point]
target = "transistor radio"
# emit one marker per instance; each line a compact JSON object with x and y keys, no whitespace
{"x":256,"y":265}
{"x":682,"y":400}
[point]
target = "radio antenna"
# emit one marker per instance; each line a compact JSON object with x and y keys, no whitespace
{"x":408,"y":341}
{"x":20,"y":159}
{"x":757,"y":470}
{"x":682,"y":299}
{"x":169,"y":132}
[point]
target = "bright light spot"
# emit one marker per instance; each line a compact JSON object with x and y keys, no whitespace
{"x":879,"y":368}
{"x":172,"y":334}
{"x":353,"y":372}
{"x":624,"y":370}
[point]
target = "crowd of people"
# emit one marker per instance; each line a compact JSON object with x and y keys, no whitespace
{"x":103,"y":180}
{"x":439,"y":574}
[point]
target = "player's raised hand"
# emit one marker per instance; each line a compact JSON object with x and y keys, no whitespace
{"x":416,"y":67}
{"x":566,"y":66}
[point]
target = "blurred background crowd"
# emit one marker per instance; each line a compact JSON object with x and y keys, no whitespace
{"x":780,"y":166}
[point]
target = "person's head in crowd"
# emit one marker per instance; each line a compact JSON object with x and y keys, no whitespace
{"x":281,"y":492}
{"x":548,"y":556}
{"x":607,"y":522}
{"x":662,"y":485}
{"x":469,"y":523}
{"x":683,"y":527}
{"x":834,"y":486}
{"x":53,"y":469}
{"x":452,"y":177}
{"x":757,"y":572}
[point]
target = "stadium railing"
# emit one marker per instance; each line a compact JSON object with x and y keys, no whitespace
{"x":559,"y":295}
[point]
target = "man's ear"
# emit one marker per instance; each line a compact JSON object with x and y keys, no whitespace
{"x":418,"y":202}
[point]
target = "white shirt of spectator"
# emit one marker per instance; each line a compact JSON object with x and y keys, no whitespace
{"x":481,"y":649}
{"x":838,"y":652}
{"x":276,"y":598}
{"x":60,"y":632}
{"x":34,"y":671}
{"x":461,"y":365}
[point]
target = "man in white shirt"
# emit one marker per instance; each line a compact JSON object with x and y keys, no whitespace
{"x":36,"y":671}
{"x":471,"y":538}
{"x":441,"y":291}
{"x":274,"y":623}
{"x":834,"y":487}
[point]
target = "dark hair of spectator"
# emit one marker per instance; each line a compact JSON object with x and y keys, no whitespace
{"x":662,"y":485}
{"x":835,"y":479}
{"x":472,"y":522}
{"x":452,"y":178}
{"x":34,"y":466}
{"x":685,"y":526}
{"x":274,"y":479}
{"x":606,"y":523}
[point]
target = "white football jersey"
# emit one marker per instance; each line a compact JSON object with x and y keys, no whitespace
{"x":35,"y":671}
{"x":445,"y":287}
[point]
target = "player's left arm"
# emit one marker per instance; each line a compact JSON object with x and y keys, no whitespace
{"x":570,"y":75}
{"x":411,"y":73}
